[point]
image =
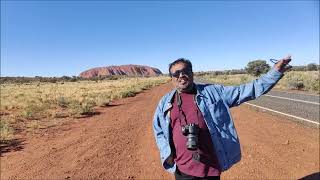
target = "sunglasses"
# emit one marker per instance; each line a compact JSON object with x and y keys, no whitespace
{"x":177,"y":73}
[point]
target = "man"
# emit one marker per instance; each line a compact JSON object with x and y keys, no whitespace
{"x":192,"y":124}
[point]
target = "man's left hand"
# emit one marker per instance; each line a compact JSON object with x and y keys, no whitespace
{"x":281,"y":66}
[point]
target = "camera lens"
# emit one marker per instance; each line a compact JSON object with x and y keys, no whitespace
{"x":191,"y":131}
{"x":192,"y":142}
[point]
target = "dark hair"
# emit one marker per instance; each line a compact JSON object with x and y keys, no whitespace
{"x":180,"y":60}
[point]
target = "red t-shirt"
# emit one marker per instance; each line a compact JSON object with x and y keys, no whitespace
{"x":208,"y":166}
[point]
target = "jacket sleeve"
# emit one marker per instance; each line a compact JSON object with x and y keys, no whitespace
{"x":235,"y":95}
{"x":161,"y":140}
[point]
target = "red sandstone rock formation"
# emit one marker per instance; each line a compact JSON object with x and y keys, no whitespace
{"x":129,"y":70}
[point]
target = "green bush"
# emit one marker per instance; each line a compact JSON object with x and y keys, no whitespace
{"x":257,"y":67}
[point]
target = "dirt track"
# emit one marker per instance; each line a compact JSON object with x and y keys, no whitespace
{"x":119,"y":144}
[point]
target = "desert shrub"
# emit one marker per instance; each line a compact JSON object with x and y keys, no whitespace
{"x":294,"y":81}
{"x":113,"y":77}
{"x":243,"y":79}
{"x":315,"y":85}
{"x":219,"y":73}
{"x":62,"y":102}
{"x":147,"y":86}
{"x":34,"y":110}
{"x":103,"y":99}
{"x":85,"y":107}
{"x":224,"y":77}
{"x":129,"y":93}
{"x":296,"y":85}
{"x":6,"y":131}
{"x":52,"y":80}
{"x":311,"y":67}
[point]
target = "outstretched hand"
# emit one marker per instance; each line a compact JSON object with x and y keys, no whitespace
{"x":281,"y":66}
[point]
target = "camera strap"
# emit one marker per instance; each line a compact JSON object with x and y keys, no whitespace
{"x":181,"y":113}
{"x":196,"y":154}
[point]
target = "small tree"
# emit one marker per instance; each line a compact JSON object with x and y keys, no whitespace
{"x":312,"y":67}
{"x":257,"y":67}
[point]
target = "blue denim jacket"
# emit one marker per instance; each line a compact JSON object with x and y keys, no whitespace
{"x":214,"y":102}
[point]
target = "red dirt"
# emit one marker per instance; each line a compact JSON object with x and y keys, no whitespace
{"x":119,"y":144}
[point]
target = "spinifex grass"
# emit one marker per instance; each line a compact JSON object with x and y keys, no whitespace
{"x":35,"y":102}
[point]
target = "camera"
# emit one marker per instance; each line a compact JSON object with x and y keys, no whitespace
{"x":191,"y":131}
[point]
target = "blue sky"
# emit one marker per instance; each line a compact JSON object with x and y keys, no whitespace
{"x":67,"y":37}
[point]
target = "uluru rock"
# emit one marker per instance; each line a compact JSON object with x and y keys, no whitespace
{"x":129,"y":70}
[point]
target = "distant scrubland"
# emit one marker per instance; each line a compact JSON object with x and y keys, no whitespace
{"x":39,"y":104}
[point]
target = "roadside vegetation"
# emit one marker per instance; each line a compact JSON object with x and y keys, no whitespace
{"x":40,"y":104}
{"x":293,"y":80}
{"x":305,"y":78}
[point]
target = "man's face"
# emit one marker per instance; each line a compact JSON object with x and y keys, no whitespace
{"x":182,"y":77}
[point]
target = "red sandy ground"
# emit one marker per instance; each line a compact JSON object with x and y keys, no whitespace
{"x":119,"y":144}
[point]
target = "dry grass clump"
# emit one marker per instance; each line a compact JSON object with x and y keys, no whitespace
{"x":35,"y":102}
{"x":298,"y":80}
{"x":301,"y":80}
{"x":6,"y":131}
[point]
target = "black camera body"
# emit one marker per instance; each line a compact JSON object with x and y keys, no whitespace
{"x":192,"y":133}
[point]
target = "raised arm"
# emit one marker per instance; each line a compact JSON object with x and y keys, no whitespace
{"x":235,"y":95}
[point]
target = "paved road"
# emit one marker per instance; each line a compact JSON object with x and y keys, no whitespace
{"x":303,"y":106}
{"x":300,"y":106}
